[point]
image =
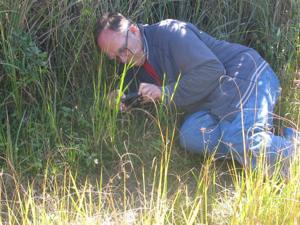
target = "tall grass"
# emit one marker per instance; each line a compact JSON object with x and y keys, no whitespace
{"x":67,"y":157}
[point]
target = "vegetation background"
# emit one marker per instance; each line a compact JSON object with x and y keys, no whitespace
{"x":67,"y":158}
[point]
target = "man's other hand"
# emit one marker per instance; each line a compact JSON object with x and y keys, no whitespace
{"x":112,"y":100}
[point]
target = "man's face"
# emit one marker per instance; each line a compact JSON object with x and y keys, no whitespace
{"x":115,"y":45}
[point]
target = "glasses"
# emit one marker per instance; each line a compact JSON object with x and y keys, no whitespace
{"x":124,"y":48}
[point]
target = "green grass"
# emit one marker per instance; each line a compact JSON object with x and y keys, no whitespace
{"x":66,"y":157}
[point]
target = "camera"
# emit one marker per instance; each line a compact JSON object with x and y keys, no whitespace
{"x":132,"y":99}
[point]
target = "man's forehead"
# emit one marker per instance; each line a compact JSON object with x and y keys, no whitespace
{"x":108,"y":37}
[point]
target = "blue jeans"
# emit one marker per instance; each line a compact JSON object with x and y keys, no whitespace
{"x":247,"y":136}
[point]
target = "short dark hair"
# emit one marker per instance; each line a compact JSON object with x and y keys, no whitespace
{"x":110,"y":20}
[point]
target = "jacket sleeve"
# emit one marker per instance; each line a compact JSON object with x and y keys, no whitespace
{"x":200,"y":70}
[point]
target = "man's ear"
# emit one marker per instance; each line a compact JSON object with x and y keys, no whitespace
{"x":133,"y":29}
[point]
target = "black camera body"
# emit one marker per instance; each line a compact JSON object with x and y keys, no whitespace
{"x":132,"y":99}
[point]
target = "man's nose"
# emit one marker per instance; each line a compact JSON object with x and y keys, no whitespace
{"x":121,"y":59}
{"x":111,"y":56}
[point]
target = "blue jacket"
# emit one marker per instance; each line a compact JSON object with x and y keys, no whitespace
{"x":199,"y":71}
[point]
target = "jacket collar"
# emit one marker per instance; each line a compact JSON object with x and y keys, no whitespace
{"x":144,"y":40}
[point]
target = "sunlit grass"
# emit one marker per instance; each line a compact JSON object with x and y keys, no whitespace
{"x":128,"y":196}
{"x":67,"y":157}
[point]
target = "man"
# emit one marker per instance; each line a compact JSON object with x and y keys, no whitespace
{"x":227,"y":91}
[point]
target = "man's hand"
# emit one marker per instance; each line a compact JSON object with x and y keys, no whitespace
{"x":149,"y":92}
{"x":112,"y":100}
